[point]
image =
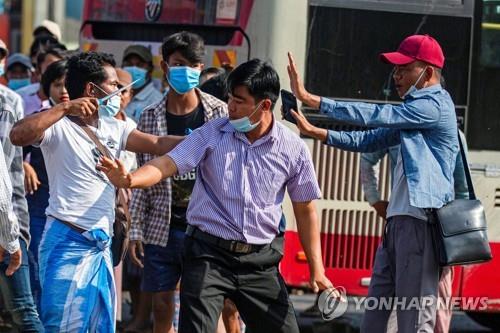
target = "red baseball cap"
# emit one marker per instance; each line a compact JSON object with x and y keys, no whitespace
{"x":416,"y":47}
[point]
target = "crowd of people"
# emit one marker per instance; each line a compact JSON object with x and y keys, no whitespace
{"x":206,"y":165}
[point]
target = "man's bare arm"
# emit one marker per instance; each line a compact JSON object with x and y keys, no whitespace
{"x":146,"y":176}
{"x":140,"y":142}
{"x":31,"y":129}
{"x":307,"y":226}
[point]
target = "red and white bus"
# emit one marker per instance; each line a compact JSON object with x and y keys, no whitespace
{"x":336,"y":43}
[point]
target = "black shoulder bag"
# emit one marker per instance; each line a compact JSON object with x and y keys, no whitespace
{"x":461,"y":231}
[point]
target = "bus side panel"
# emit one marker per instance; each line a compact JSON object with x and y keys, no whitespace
{"x":482,"y":280}
{"x":295,"y":270}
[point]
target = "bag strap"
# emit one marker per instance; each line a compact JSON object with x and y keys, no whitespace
{"x":470,"y":186}
{"x":102,"y":149}
{"x":122,"y":197}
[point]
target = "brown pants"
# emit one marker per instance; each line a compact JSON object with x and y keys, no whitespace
{"x":443,"y":316}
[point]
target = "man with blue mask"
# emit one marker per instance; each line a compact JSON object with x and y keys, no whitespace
{"x":18,"y":71}
{"x":425,"y":128}
{"x":78,"y":284}
{"x":244,"y":168}
{"x":156,"y":229}
{"x":138,"y":61}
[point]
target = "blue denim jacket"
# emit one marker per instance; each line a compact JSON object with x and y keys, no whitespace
{"x":424,"y":124}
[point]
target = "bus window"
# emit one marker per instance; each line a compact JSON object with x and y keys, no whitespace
{"x":344,"y":45}
{"x":490,"y":34}
{"x":483,"y":121}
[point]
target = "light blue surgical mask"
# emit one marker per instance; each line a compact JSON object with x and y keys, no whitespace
{"x":16,"y":84}
{"x":183,"y":78}
{"x":111,"y":108}
{"x":413,"y":87}
{"x":108,"y":107}
{"x":2,"y":69}
{"x":244,"y":124}
{"x":138,"y":75}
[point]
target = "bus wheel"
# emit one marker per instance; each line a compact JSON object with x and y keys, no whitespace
{"x":488,"y":319}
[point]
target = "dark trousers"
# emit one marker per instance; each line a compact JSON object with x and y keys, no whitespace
{"x":251,"y":281}
{"x":37,"y":224}
{"x":16,"y":292}
{"x":405,"y":267}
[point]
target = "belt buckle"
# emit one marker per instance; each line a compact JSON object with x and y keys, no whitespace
{"x":241,"y":247}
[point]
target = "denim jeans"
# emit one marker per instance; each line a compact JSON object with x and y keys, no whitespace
{"x":37,"y":224}
{"x":16,"y":291}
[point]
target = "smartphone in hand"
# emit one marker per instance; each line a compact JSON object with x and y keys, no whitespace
{"x":289,"y":102}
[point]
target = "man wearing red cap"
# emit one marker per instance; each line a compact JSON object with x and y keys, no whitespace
{"x":406,"y":269}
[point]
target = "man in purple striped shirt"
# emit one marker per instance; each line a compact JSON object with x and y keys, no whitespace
{"x":244,"y":162}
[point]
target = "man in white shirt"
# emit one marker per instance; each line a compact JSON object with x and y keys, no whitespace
{"x":76,"y":271}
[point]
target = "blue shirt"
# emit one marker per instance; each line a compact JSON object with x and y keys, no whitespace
{"x":240,"y":185}
{"x":424,"y":124}
{"x":148,"y":96}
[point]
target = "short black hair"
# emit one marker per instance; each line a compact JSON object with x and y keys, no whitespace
{"x":212,"y":70}
{"x":259,"y":77}
{"x":191,"y":46}
{"x":216,"y":86}
{"x":54,"y":71}
{"x":43,"y":42}
{"x":86,"y":67}
{"x":52,"y":50}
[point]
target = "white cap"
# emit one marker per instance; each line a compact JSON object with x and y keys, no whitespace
{"x":51,"y":27}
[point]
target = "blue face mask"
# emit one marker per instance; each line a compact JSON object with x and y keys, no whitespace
{"x":16,"y":84}
{"x":108,"y":107}
{"x":244,"y":124}
{"x":111,"y":108}
{"x":138,"y":75}
{"x":183,"y":79}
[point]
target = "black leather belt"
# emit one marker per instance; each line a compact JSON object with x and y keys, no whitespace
{"x":229,"y":245}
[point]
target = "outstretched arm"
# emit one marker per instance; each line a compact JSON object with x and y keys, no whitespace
{"x":421,"y":113}
{"x":140,"y":142}
{"x":146,"y":176}
{"x":360,"y":141}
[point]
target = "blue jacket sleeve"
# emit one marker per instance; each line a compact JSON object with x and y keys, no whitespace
{"x":414,"y":113}
{"x":364,"y":141}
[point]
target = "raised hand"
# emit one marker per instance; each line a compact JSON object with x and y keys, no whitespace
{"x":297,"y":86}
{"x":83,"y":107}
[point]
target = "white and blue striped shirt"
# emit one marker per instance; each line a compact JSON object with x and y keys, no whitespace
{"x":240,"y":185}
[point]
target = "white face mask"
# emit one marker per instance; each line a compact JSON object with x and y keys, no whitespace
{"x":413,"y":87}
